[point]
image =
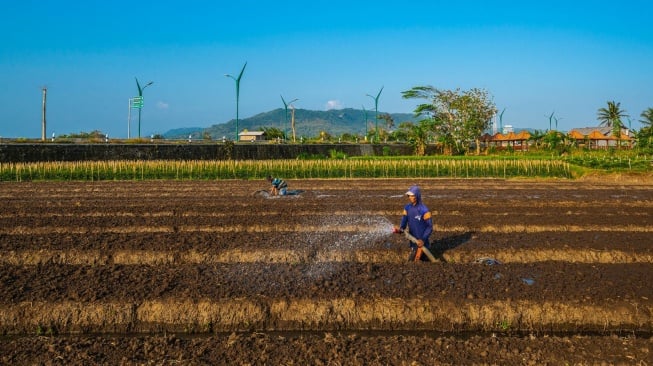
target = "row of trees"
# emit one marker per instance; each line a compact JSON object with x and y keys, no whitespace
{"x":453,"y":118}
{"x":456,"y":119}
{"x":613,"y":116}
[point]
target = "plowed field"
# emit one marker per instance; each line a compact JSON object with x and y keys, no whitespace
{"x":177,"y":272}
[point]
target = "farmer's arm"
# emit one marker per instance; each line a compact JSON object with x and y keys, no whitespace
{"x":428,"y":222}
{"x":404,"y":221}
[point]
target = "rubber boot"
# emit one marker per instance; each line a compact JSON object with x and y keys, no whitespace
{"x":411,"y":256}
{"x":418,"y":255}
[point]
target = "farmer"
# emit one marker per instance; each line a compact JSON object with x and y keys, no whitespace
{"x":279,"y":186}
{"x":418,"y":219}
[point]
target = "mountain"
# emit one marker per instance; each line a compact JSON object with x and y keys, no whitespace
{"x":308,"y":123}
{"x":183,"y":132}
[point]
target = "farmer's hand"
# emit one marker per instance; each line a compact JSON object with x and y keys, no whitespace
{"x":397,"y":230}
{"x":420,"y":243}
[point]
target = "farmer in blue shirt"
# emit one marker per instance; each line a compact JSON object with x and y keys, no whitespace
{"x":279,"y":186}
{"x":418,"y":219}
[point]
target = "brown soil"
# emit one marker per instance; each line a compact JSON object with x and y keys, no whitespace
{"x":174,"y":272}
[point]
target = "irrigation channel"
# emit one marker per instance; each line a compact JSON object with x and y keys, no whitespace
{"x":204,"y":272}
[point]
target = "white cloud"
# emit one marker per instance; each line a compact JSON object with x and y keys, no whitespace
{"x":333,"y":104}
{"x":162,"y":105}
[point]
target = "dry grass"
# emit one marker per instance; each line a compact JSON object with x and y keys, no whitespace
{"x":326,"y":314}
{"x":290,"y":256}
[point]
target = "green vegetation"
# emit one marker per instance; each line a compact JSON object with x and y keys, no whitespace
{"x":610,"y":160}
{"x":455,"y":117}
{"x":290,"y":169}
{"x":99,"y":135}
{"x":645,"y":135}
{"x":611,"y":116}
{"x":504,"y":325}
{"x":452,"y":121}
{"x":504,"y":164}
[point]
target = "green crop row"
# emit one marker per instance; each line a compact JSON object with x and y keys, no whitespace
{"x":290,"y":169}
{"x":607,"y":162}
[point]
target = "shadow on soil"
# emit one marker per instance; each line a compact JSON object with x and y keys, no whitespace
{"x":440,"y":246}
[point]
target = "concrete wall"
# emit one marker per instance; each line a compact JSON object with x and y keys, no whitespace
{"x":14,"y":152}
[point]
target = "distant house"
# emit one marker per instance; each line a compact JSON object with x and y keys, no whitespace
{"x":601,"y":137}
{"x":517,"y":141}
{"x":251,"y":136}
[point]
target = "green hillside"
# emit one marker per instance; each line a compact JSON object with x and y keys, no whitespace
{"x":308,"y":123}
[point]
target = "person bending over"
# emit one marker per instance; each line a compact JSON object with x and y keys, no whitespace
{"x":279,"y":186}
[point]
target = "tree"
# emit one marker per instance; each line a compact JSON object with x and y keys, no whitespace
{"x":272,"y":133}
{"x":348,"y":137}
{"x":418,"y":134}
{"x":458,"y":116}
{"x":537,"y":136}
{"x":552,"y":139}
{"x":389,"y":121}
{"x":611,"y":117}
{"x":95,"y":134}
{"x":324,"y":136}
{"x":646,"y":133}
{"x":383,"y":135}
{"x":647,"y":118}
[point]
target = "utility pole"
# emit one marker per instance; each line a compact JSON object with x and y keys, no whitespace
{"x":43,"y":103}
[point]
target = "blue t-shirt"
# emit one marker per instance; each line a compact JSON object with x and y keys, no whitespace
{"x":279,"y":183}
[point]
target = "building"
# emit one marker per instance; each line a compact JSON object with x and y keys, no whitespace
{"x":251,"y":136}
{"x":601,"y":137}
{"x":517,"y":141}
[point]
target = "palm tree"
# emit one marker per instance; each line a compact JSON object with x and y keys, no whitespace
{"x":611,"y":115}
{"x":647,"y":130}
{"x":647,"y":118}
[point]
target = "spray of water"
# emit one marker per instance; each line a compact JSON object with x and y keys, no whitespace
{"x":373,"y":233}
{"x":372,"y":230}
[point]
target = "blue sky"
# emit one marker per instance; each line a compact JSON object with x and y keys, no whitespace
{"x":535,"y":58}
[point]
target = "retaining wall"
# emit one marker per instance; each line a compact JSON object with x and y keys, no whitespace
{"x":191,"y":151}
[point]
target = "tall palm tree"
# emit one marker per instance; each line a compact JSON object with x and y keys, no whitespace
{"x":611,"y":115}
{"x":647,"y":118}
{"x":647,"y":131}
